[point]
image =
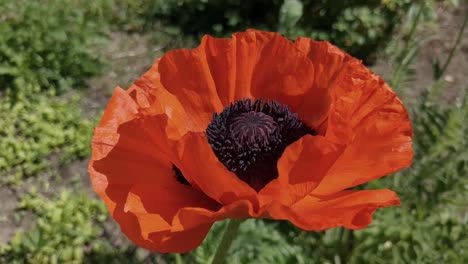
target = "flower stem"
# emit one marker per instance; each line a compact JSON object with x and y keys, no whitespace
{"x":229,"y":235}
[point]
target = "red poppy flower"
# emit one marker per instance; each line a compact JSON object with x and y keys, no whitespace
{"x":251,"y":126}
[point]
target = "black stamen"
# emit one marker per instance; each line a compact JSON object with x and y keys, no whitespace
{"x":248,"y":137}
{"x":179,"y":176}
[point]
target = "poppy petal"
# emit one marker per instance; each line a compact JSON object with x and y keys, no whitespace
{"x":215,"y":74}
{"x":218,"y":54}
{"x":157,"y":208}
{"x":200,"y":164}
{"x":301,"y":168}
{"x":160,"y":240}
{"x":131,"y":167}
{"x":145,"y":196}
{"x":187,"y":76}
{"x":351,"y":209}
{"x":120,"y":109}
{"x":180,"y":242}
{"x":328,"y":61}
{"x":189,"y":223}
{"x":280,"y":71}
{"x":154,"y":99}
{"x":252,"y":64}
{"x":372,"y":122}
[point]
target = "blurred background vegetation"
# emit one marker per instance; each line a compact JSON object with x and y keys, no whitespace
{"x":61,"y":59}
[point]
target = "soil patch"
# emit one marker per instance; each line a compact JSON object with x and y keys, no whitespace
{"x":130,"y":55}
{"x":438,"y":38}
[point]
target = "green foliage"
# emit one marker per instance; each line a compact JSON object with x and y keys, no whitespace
{"x":440,"y":166}
{"x":290,"y":13}
{"x":131,"y":15}
{"x":441,"y":151}
{"x":33,"y":129}
{"x":48,"y":44}
{"x":258,"y":242}
{"x":400,"y":236}
{"x":360,"y":27}
{"x":65,"y":230}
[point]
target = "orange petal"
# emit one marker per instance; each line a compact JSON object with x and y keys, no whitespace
{"x":165,"y":201}
{"x":190,"y":85}
{"x":144,"y":197}
{"x":188,"y":227}
{"x":154,"y":99}
{"x":191,"y":225}
{"x":380,"y":150}
{"x":179,"y":242}
{"x":157,"y":207}
{"x":351,"y":209}
{"x":251,"y":64}
{"x":256,"y":64}
{"x":328,"y":61}
{"x":120,"y":109}
{"x":164,"y":241}
{"x":281,"y":71}
{"x":199,"y":163}
{"x":374,"y":125}
{"x":132,"y":170}
{"x":301,"y":168}
{"x":186,"y":74}
{"x":217,"y":53}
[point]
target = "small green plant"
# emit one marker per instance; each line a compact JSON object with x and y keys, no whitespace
{"x":65,"y":230}
{"x":69,"y":227}
{"x":48,"y":44}
{"x":401,"y":236}
{"x":33,"y":129}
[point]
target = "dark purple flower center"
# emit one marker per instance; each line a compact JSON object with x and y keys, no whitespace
{"x":248,"y":137}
